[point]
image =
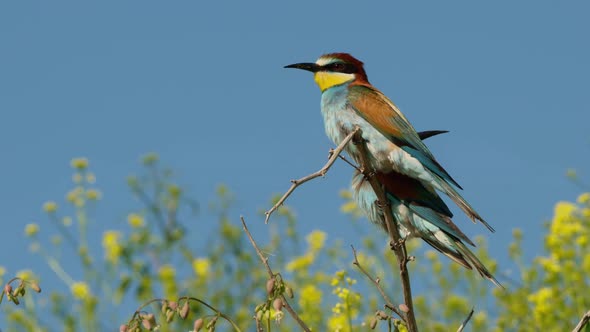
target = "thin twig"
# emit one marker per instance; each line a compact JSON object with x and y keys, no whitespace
{"x":397,"y":244}
{"x":322,"y":172}
{"x":388,"y":303}
{"x":271,"y":274}
{"x":583,"y":322}
{"x":466,"y":321}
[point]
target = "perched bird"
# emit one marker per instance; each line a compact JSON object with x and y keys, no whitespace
{"x":349,"y":100}
{"x":404,"y":166}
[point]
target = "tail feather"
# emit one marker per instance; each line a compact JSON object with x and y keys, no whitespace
{"x":476,"y":263}
{"x":459,"y":253}
{"x":462,"y":203}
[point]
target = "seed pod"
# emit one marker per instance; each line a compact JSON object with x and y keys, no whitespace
{"x":198,"y":325}
{"x":184,"y":310}
{"x":8,"y":289}
{"x":123,"y":328}
{"x":373,"y":323}
{"x":277,"y":304}
{"x":404,"y":308}
{"x":35,"y":286}
{"x":382,"y":315}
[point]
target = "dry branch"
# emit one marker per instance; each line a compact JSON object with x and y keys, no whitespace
{"x":583,"y":322}
{"x":397,"y":244}
{"x":334,"y":155}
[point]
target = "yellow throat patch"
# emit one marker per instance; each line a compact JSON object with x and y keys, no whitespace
{"x":326,"y":80}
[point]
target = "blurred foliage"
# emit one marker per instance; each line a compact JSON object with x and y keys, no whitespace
{"x":213,"y":278}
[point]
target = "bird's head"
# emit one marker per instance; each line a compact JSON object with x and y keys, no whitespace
{"x":334,"y":69}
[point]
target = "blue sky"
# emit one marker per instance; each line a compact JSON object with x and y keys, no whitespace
{"x":202,"y":84}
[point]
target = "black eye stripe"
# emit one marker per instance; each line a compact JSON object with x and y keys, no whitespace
{"x":341,"y":67}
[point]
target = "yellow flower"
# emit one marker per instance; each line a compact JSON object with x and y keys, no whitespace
{"x":25,"y":275}
{"x":31,"y":229}
{"x":135,"y":220}
{"x":93,"y":194}
{"x":77,"y":178}
{"x":542,"y":302}
{"x":150,"y":158}
{"x":50,"y":207}
{"x":67,"y":221}
{"x":316,"y":240}
{"x":2,"y":271}
{"x":80,"y":290}
{"x":79,"y":163}
{"x":74,"y":194}
{"x":166,"y":272}
{"x":201,"y":267}
{"x":111,"y":245}
{"x":300,"y":263}
{"x":90,"y":178}
{"x":584,"y":198}
{"x":311,"y":296}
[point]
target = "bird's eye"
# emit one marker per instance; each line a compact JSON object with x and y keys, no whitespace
{"x":337,"y":66}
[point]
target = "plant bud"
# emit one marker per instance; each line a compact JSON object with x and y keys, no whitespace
{"x":373,"y":323}
{"x":270,"y":286}
{"x":404,"y":308}
{"x":172,"y":305}
{"x":147,"y":324}
{"x":289,"y":292}
{"x":123,"y":328}
{"x":198,"y":325}
{"x":8,"y":289}
{"x":382,"y":315}
{"x":164,"y":308}
{"x":169,"y":316}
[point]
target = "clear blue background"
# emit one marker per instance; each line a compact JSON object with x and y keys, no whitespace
{"x":202,"y":84}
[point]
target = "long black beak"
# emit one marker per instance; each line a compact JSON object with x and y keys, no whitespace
{"x":312,"y":67}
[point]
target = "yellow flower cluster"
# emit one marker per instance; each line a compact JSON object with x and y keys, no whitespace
{"x":310,"y":302}
{"x":348,"y":305}
{"x":111,"y":242}
{"x":543,"y":301}
{"x":316,"y":240}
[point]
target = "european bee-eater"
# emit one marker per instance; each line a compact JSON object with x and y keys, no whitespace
{"x":405,"y":167}
{"x":349,"y":100}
